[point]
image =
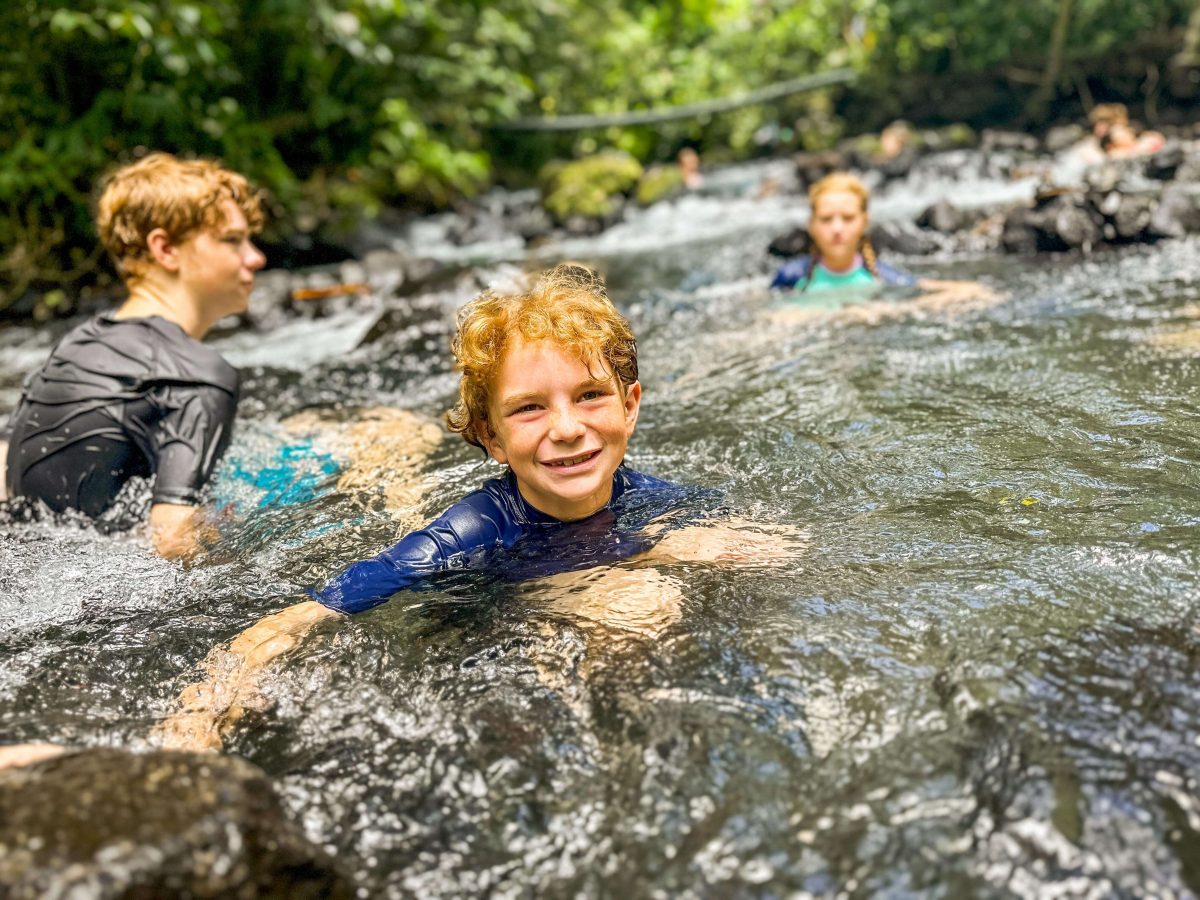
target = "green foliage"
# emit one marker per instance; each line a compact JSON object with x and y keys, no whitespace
{"x":658,"y":183}
{"x":589,"y":187}
{"x":339,"y":107}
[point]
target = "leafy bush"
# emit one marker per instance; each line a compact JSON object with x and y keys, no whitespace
{"x":343,"y":106}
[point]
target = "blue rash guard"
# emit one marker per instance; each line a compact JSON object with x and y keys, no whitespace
{"x":497,"y":517}
{"x":795,"y":273}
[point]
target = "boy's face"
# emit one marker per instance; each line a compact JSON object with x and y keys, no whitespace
{"x":561,"y":428}
{"x":217,"y":265}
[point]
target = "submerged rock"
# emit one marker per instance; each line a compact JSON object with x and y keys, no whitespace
{"x":106,"y":823}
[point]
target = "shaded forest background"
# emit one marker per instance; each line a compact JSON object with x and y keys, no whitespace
{"x":347,"y":108}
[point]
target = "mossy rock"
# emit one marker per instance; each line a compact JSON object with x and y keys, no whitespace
{"x":959,"y":136}
{"x":547,"y":175}
{"x":659,"y":183}
{"x":591,"y":187}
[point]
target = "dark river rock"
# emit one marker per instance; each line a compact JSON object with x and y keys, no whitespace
{"x":105,"y":823}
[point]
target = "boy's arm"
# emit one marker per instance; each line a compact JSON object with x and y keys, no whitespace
{"x":230,"y":687}
{"x":213,"y":705}
{"x":231,"y":683}
{"x":732,"y":542}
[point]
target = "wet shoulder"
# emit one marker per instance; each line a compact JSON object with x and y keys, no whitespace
{"x":136,"y":352}
{"x":482,"y":519}
{"x":179,"y":357}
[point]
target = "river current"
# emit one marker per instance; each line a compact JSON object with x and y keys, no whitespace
{"x":980,"y":678}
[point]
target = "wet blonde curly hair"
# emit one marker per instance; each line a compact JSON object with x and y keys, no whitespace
{"x":160,"y":191}
{"x":568,"y":305}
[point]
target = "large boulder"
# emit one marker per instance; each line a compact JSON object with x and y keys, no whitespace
{"x":105,"y":823}
{"x":1059,"y":220}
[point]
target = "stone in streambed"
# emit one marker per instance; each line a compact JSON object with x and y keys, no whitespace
{"x":795,"y":242}
{"x":106,"y":823}
{"x":812,"y":166}
{"x":947,"y":218}
{"x":1177,"y":212}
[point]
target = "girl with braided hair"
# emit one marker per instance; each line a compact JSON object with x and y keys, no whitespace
{"x":842,"y":254}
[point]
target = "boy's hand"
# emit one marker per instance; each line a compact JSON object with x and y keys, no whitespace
{"x":230,"y":688}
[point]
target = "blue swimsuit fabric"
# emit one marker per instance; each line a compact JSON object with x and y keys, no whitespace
{"x":296,"y":473}
{"x":532,"y":544}
{"x":795,"y":271}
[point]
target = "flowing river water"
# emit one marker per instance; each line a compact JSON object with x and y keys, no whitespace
{"x":981,"y":677}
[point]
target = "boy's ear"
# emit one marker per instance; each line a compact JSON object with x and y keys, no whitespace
{"x":633,"y":403}
{"x":490,"y":444}
{"x":163,"y":250}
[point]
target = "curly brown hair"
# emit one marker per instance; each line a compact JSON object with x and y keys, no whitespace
{"x":568,"y":305}
{"x":161,"y":191}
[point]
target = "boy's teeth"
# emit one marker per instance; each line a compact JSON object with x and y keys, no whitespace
{"x":574,"y":460}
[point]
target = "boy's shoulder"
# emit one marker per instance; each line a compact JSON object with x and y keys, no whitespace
{"x":490,"y":514}
{"x":632,"y":479}
{"x":143,"y":350}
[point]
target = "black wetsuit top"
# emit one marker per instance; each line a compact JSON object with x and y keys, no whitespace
{"x":119,"y":398}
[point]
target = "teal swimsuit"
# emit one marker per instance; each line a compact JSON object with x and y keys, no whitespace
{"x":825,"y":280}
{"x":833,"y":289}
{"x":830,"y":290}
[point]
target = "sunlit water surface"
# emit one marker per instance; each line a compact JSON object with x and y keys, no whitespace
{"x":981,"y":678}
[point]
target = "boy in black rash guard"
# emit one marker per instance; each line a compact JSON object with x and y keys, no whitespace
{"x":135,"y":393}
{"x":549,"y":389}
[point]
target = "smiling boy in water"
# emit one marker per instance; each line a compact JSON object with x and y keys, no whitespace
{"x":549,"y":388}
